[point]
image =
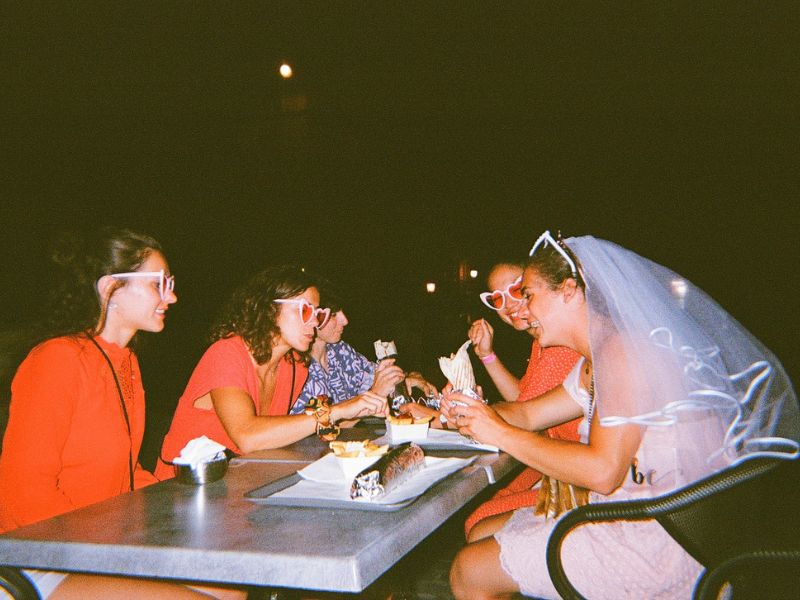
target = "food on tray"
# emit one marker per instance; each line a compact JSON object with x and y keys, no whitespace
{"x":391,"y":470}
{"x":458,"y":369}
{"x":357,"y":449}
{"x":409,"y":420}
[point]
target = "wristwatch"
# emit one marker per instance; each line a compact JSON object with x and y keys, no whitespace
{"x":319,"y":407}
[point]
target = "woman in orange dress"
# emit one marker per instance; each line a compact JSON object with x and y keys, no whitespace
{"x":547,"y":368}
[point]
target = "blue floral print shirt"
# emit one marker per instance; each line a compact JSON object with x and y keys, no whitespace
{"x":349,"y":373}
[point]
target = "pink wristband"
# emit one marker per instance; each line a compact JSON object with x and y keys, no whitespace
{"x":489,"y":358}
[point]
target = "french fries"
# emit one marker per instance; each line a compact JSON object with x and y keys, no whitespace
{"x":409,"y":420}
{"x":357,"y":449}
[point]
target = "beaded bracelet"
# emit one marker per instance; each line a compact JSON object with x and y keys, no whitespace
{"x":319,"y":407}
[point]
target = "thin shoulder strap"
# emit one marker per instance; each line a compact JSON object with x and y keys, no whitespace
{"x":122,"y":405}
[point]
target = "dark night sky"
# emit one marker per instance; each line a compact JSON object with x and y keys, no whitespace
{"x":430,"y":134}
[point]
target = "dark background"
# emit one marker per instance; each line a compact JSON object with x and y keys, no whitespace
{"x":411,"y":139}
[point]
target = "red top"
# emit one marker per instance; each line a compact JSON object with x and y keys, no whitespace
{"x":547,"y":368}
{"x":226,"y":363}
{"x":66,"y":445}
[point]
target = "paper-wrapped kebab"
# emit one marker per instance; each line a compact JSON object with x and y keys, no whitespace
{"x":392,"y":469}
{"x":458,"y":370}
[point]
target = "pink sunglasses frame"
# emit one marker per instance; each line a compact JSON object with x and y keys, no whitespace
{"x":503,"y":295}
{"x":315,"y":310}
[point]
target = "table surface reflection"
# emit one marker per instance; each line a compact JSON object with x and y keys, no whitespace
{"x":212,"y":533}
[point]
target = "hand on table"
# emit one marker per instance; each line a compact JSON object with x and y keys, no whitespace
{"x":481,"y":334}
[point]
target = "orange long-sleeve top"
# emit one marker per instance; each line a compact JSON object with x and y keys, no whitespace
{"x":66,"y":444}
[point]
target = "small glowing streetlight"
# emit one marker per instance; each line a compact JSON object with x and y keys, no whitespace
{"x":430,"y":287}
{"x":285,"y":70}
{"x":473,"y":273}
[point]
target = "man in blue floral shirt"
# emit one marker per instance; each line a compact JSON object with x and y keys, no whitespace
{"x":340,"y":372}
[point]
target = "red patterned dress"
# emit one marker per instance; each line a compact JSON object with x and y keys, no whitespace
{"x":547,"y":368}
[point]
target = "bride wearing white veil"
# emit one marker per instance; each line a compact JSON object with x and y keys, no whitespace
{"x":671,"y":389}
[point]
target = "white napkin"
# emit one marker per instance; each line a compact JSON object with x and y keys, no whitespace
{"x":435,"y":469}
{"x":384,"y":349}
{"x":444,"y":439}
{"x":200,"y":450}
{"x":458,"y":369}
{"x":328,"y":470}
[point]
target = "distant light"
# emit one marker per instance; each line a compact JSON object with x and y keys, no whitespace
{"x":473,"y":273}
{"x":303,"y":269}
{"x":285,"y":70}
{"x":679,"y":289}
{"x":430,"y":287}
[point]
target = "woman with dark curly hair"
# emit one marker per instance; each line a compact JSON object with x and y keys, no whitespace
{"x":242,"y":389}
{"x":77,"y":403}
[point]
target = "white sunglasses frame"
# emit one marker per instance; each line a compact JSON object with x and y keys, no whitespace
{"x":166,"y":283}
{"x":316,"y":310}
{"x":545,"y":239}
{"x":484,"y":296}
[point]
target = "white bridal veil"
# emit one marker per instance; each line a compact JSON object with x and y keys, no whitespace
{"x":687,"y":365}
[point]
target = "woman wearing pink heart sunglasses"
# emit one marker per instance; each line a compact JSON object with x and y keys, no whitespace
{"x":245,"y":384}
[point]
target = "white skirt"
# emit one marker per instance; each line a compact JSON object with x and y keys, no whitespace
{"x":614,"y":560}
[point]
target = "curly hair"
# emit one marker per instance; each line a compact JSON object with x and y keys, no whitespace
{"x":74,"y":305}
{"x":552,"y":267}
{"x":251,"y":313}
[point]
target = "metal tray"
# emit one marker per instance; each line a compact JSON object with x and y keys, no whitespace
{"x":264,"y":495}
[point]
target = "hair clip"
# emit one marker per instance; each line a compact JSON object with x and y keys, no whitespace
{"x":545,"y":239}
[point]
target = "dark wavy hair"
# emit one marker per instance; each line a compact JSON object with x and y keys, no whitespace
{"x":74,"y":305}
{"x":251,"y":313}
{"x":553,"y":267}
{"x":505,"y":261}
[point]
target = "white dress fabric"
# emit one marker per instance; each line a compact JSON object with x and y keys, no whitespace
{"x":605,"y":560}
{"x":708,"y":395}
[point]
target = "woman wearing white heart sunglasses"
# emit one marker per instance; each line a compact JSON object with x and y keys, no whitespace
{"x":245,"y":384}
{"x":77,"y":404}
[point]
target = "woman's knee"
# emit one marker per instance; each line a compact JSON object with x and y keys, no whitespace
{"x":488,"y":527}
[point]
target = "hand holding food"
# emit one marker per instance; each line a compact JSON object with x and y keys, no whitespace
{"x":458,"y":369}
{"x":387,"y":376}
{"x":474,"y":418}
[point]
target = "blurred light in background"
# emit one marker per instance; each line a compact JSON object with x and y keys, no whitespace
{"x":679,"y":289}
{"x":285,"y":70}
{"x":473,"y":273}
{"x":430,"y":287}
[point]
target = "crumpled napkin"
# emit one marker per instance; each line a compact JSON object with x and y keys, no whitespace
{"x":384,"y":349}
{"x":200,"y":450}
{"x":458,"y":369}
